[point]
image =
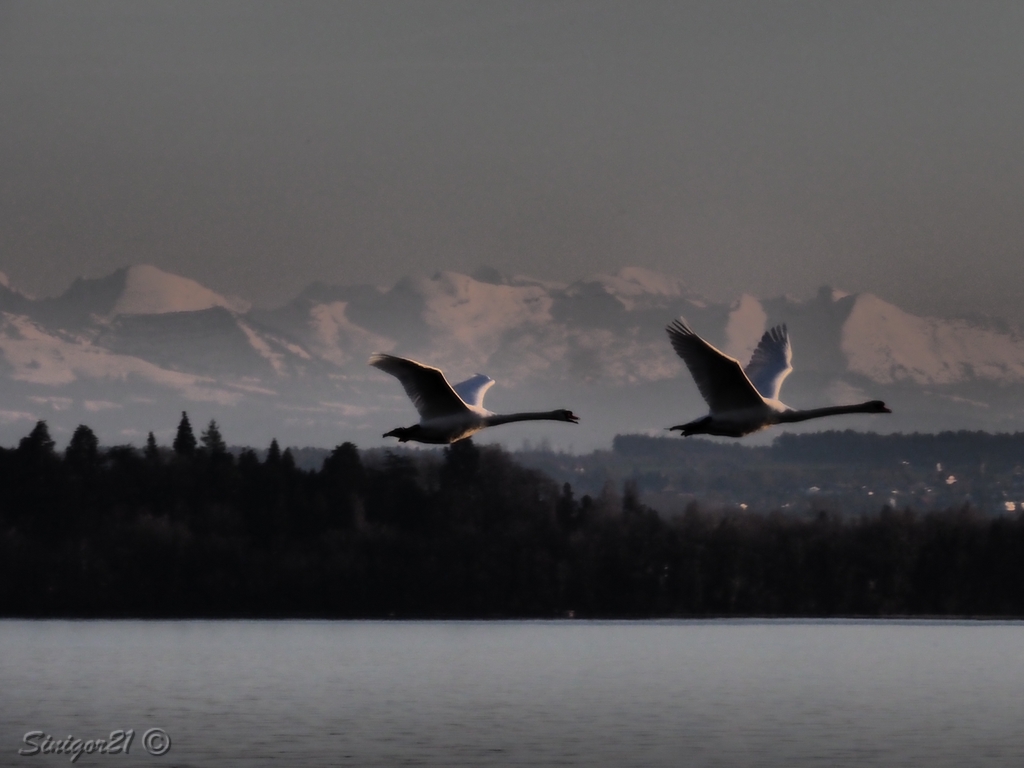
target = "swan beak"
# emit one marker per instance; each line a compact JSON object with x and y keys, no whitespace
{"x":572,"y":417}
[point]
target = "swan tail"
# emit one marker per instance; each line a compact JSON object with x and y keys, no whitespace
{"x":697,"y":427}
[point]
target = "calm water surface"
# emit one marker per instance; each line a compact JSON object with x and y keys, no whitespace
{"x":714,"y":693}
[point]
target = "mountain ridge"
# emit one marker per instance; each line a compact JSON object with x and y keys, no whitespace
{"x":144,"y":336}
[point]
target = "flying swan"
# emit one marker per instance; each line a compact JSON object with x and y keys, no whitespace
{"x":745,"y":401}
{"x":449,"y":413}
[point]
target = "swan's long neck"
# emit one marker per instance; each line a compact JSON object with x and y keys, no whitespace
{"x":498,"y":418}
{"x":787,"y":417}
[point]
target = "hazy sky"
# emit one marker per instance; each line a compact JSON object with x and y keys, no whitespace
{"x":759,"y":147}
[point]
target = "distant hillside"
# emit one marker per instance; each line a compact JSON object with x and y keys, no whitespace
{"x":847,"y":472}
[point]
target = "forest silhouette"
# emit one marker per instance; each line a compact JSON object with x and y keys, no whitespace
{"x":197,"y":531}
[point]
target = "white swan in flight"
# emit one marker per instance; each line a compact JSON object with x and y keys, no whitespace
{"x":449,"y":413}
{"x":745,"y":401}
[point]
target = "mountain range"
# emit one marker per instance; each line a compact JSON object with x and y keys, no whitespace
{"x":126,"y":353}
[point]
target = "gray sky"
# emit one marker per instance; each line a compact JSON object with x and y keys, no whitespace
{"x":759,"y":147}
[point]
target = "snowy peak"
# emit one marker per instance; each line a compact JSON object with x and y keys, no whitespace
{"x":635,"y":287}
{"x":888,"y":345}
{"x":335,"y":338}
{"x":36,"y":357}
{"x":476,"y":314}
{"x":148,"y":290}
{"x":130,"y":291}
{"x":746,"y":324}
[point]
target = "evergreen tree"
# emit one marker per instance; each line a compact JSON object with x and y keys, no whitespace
{"x":345,"y":481}
{"x":248,"y":461}
{"x":37,"y":442}
{"x":151,"y":452}
{"x":184,"y":442}
{"x":461,"y":462}
{"x":567,"y":511}
{"x":274,"y":453}
{"x":344,"y":468}
{"x":34,"y":485}
{"x":212,"y":440}
{"x":631,"y":497}
{"x":83,"y":450}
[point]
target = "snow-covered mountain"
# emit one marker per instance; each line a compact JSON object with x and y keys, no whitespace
{"x":127,"y":352}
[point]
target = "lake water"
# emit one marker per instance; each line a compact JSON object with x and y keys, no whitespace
{"x":563,"y":693}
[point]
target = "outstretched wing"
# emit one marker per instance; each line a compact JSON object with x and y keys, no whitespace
{"x":472,"y":390}
{"x":719,"y":378}
{"x":771,"y":362}
{"x":426,"y":386}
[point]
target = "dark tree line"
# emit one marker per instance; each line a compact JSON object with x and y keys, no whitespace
{"x":198,"y":532}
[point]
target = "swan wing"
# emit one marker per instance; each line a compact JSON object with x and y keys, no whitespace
{"x":719,"y":378}
{"x":771,"y":362}
{"x":425,"y":385}
{"x":473,"y":389}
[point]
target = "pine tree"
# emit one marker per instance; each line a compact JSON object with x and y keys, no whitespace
{"x":631,"y":498}
{"x":37,"y":442}
{"x":461,"y":462}
{"x":151,"y":452}
{"x":566,"y":510}
{"x":212,"y":440}
{"x":274,"y":453}
{"x":344,"y":468}
{"x":345,"y":480}
{"x":83,"y":450}
{"x":184,"y":442}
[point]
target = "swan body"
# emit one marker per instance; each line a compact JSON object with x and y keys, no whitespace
{"x":449,"y":412}
{"x":745,"y":401}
